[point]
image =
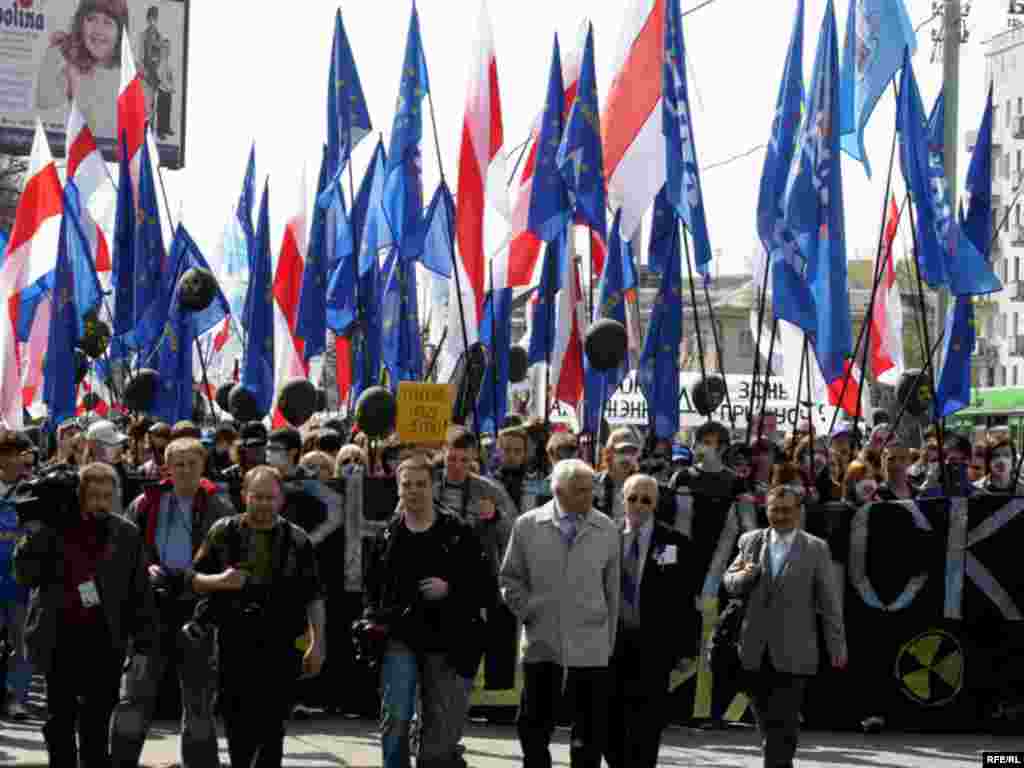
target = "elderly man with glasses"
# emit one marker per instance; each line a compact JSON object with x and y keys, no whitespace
{"x":657,"y":626}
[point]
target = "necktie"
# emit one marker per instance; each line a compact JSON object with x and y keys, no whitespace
{"x":570,"y":529}
{"x":629,"y":569}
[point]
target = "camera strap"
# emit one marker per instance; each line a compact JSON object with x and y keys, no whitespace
{"x":283,"y":544}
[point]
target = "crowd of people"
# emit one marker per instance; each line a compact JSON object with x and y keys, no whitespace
{"x":153,"y":549}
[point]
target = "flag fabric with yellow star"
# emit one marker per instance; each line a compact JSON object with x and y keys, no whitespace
{"x":258,"y":359}
{"x":549,"y":204}
{"x":153,"y":286}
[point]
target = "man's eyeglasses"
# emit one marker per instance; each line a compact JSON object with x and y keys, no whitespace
{"x":567,"y":452}
{"x":633,"y":499}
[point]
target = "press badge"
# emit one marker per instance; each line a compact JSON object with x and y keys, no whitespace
{"x":89,"y":594}
{"x":668,"y":555}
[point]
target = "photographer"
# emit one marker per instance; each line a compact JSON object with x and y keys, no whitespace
{"x":13,"y":597}
{"x":424,"y":593}
{"x":90,"y":605}
{"x":174,"y":517}
{"x":260,"y":575}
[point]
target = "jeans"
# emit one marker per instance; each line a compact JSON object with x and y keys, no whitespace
{"x":442,"y":714}
{"x":19,"y":668}
{"x":586,"y":698}
{"x":196,"y":667}
{"x":81,"y":691}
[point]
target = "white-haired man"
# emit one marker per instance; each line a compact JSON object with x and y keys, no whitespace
{"x":561,"y":577}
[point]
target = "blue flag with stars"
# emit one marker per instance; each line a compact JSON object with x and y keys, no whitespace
{"x":658,"y":374}
{"x":977,"y":222}
{"x":814,"y":210}
{"x":258,"y":357}
{"x":946,"y":256}
{"x":682,"y":184}
{"x":601,"y":385}
{"x":348,"y":119}
{"x":342,"y":301}
{"x":176,"y":394}
{"x":401,"y":343}
{"x":76,"y":292}
{"x":542,"y":311}
{"x":877,"y":31}
{"x":123,"y":258}
{"x":403,"y":184}
{"x":580,"y":157}
{"x":548,"y":215}
{"x":151,"y":288}
{"x":311,"y":318}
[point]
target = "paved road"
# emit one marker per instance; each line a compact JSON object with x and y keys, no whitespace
{"x":335,"y":742}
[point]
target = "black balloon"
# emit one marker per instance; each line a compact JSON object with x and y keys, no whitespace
{"x":222,"y":395}
{"x":242,"y":404}
{"x":518,"y":364}
{"x":606,"y":344}
{"x":197,"y":289}
{"x":914,"y":390}
{"x":707,"y":393}
{"x":376,"y":412}
{"x":141,"y":389}
{"x":96,"y":339}
{"x":297,"y":401}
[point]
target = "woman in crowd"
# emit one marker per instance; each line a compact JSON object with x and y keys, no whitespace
{"x":896,"y":461}
{"x":861,"y":483}
{"x":619,"y":459}
{"x":811,"y":458}
{"x":1000,"y":468}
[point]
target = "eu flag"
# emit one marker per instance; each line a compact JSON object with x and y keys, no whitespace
{"x":549,"y":201}
{"x":341,"y":303}
{"x":792,"y":294}
{"x":348,"y":119}
{"x":403,"y":185}
{"x":311,"y":318}
{"x":123,"y":260}
{"x":434,"y":242}
{"x":683,"y":175}
{"x":814,"y":209}
{"x":243,"y":213}
{"x":977,"y":223}
{"x":946,"y":256}
{"x":76,"y":291}
{"x":601,"y":385}
{"x":877,"y":31}
{"x":401,"y":343}
{"x":658,"y":374}
{"x":542,"y":308}
{"x":151,"y":279}
{"x":580,"y":157}
{"x":174,"y":398}
{"x":258,"y":358}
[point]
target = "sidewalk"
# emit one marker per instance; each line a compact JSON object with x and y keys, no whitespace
{"x":339,"y":743}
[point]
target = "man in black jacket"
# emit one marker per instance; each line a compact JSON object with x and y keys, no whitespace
{"x":427,"y":584}
{"x":90,"y":605}
{"x":658,"y":625}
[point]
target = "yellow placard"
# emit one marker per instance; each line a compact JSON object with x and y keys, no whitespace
{"x":424,"y":411}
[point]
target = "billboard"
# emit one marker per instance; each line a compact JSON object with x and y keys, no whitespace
{"x":53,"y":51}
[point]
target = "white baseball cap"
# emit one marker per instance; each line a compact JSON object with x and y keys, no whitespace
{"x":105,"y":432}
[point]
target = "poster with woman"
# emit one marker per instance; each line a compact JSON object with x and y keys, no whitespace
{"x":56,"y":51}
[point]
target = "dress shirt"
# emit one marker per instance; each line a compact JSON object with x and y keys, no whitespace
{"x":644,"y":532}
{"x":779,"y":545}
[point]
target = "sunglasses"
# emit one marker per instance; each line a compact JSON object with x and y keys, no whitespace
{"x":633,"y":499}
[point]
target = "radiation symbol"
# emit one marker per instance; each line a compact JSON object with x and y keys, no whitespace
{"x":930,"y":668}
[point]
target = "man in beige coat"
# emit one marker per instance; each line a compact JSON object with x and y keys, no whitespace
{"x":786,"y":574}
{"x":561,"y":577}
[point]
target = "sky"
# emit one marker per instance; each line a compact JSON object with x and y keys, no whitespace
{"x":258,"y":72}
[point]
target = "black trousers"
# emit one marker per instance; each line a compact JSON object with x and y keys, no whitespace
{"x":777,"y":698}
{"x":584,"y":700}
{"x":257,"y":685}
{"x":638,"y":705}
{"x":81,"y":691}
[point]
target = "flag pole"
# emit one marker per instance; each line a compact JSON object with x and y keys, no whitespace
{"x":522,"y":152}
{"x":768,"y":376}
{"x":206,"y":380}
{"x":360,"y":309}
{"x":693,"y":300}
{"x":590,"y":307}
{"x":879,"y":272}
{"x":756,"y":369}
{"x":718,"y":351}
{"x":455,"y":264}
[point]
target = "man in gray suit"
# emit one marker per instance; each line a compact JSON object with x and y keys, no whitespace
{"x":787,"y":577}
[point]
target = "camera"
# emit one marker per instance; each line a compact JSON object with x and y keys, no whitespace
{"x":369,"y":640}
{"x":51,"y":498}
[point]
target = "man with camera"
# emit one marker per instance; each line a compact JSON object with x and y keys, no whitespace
{"x":259,"y":575}
{"x":90,"y":606}
{"x":424,"y":593}
{"x":174,"y":518}
{"x":13,"y":597}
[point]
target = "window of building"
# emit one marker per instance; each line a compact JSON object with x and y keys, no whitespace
{"x":989,"y":327}
{"x":746,"y":343}
{"x":1016,"y":323}
{"x":1020,"y":105}
{"x":1016,"y":267}
{"x":1009,"y":113}
{"x":992,"y":377}
{"x":1015,"y":375}
{"x":1002,"y":324}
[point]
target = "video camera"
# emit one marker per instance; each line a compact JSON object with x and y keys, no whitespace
{"x":51,"y":498}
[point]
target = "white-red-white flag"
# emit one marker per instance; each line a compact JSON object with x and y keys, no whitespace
{"x":634,"y":157}
{"x":31,"y":254}
{"x":131,"y":113}
{"x":288,"y":362}
{"x":96,"y":193}
{"x":887,"y":314}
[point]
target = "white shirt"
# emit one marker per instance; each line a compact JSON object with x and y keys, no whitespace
{"x":779,"y":545}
